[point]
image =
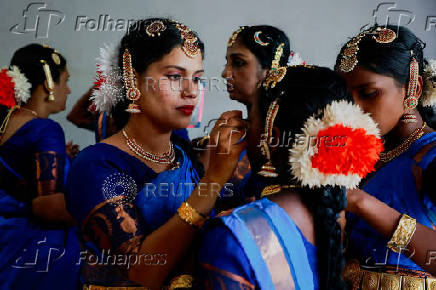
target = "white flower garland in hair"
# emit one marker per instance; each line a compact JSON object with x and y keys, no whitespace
{"x":302,"y":152}
{"x":428,"y":97}
{"x":21,"y":84}
{"x":295,"y":59}
{"x":111,"y":88}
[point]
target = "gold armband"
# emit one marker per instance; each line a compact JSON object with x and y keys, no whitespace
{"x":190,"y":215}
{"x":181,"y":281}
{"x":403,"y":234}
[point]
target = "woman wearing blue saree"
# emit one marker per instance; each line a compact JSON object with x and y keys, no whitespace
{"x":39,"y":248}
{"x":392,"y":219}
{"x":248,"y":60}
{"x":313,"y":143}
{"x":135,"y":195}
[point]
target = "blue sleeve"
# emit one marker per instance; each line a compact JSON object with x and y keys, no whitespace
{"x":49,"y":137}
{"x":223,"y":261}
{"x":50,"y":155}
{"x":429,"y":181}
{"x":100,"y":196}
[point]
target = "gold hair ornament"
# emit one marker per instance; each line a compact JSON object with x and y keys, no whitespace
{"x":49,"y":78}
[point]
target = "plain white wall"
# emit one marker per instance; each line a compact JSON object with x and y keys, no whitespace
{"x":317,"y":30}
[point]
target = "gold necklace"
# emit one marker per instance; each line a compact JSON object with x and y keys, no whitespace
{"x":276,"y":188}
{"x":31,"y":111}
{"x":400,"y":149}
{"x":165,"y":158}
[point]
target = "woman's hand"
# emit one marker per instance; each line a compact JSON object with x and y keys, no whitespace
{"x":72,"y":149}
{"x":227,"y":141}
{"x":355,"y":199}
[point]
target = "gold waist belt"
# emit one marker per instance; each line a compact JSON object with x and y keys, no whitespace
{"x":95,"y":287}
{"x":360,"y":279}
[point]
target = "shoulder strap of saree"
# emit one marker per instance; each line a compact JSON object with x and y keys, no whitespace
{"x":273,"y":246}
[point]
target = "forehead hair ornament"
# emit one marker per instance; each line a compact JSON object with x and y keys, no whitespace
{"x":156,"y":27}
{"x":234,"y":36}
{"x":258,"y":40}
{"x":349,"y":55}
{"x":190,"y":43}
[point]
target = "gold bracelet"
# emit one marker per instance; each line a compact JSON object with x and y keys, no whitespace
{"x":403,"y":234}
{"x":190,"y":215}
{"x":181,"y":281}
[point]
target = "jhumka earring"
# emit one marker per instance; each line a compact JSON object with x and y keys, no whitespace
{"x":132,"y":92}
{"x":268,"y":169}
{"x":49,"y":79}
{"x":411,"y":100}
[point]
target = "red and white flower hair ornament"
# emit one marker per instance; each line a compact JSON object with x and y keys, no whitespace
{"x":338,"y":148}
{"x":14,"y":87}
{"x":109,"y":84}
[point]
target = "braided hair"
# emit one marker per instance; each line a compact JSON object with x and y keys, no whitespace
{"x":303,"y":93}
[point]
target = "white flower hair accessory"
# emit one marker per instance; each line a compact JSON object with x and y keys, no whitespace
{"x":19,"y":83}
{"x":295,"y":59}
{"x":338,"y":148}
{"x":109,"y":84}
{"x":428,"y":97}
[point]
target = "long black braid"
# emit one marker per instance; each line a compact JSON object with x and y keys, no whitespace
{"x":303,"y":93}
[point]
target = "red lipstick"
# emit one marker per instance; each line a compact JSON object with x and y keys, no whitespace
{"x":187,"y":110}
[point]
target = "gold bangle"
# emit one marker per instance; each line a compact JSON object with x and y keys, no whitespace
{"x":181,"y":281}
{"x":190,"y":215}
{"x":403,"y":234}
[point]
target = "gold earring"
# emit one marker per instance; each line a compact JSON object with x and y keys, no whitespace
{"x":268,"y":169}
{"x":411,"y":100}
{"x":132,"y":92}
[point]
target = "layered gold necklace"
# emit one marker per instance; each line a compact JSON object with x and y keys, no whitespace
{"x":276,"y":188}
{"x":166,"y":158}
{"x":400,"y":149}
